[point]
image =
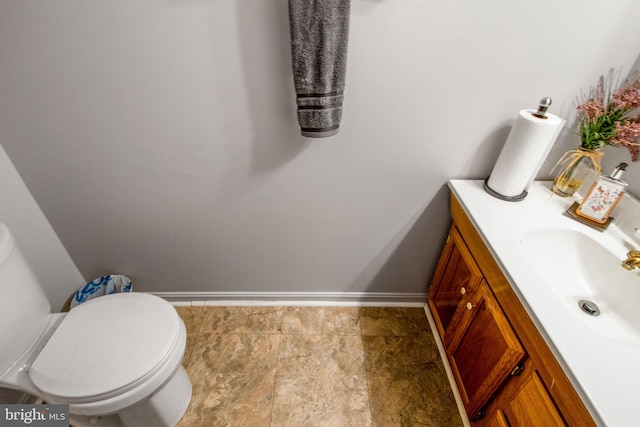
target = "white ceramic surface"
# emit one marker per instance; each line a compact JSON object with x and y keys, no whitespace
{"x":136,"y":342}
{"x":552,"y":262}
{"x":576,"y":267}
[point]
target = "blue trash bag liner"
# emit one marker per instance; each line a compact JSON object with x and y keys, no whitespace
{"x":104,"y":285}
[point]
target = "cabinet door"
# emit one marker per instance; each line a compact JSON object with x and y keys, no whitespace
{"x":456,"y":278}
{"x":483,"y":351}
{"x":530,"y":406}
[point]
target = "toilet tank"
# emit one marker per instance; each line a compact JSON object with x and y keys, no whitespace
{"x":24,"y":307}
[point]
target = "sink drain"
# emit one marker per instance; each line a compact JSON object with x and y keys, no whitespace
{"x":589,"y":307}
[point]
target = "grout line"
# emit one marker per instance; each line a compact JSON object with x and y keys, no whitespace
{"x":275,"y":379}
{"x":275,"y":375}
{"x":366,"y":372}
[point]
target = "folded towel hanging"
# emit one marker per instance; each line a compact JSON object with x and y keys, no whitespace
{"x":319,"y":35}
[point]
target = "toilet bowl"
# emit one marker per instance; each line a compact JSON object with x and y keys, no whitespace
{"x":115,"y":360}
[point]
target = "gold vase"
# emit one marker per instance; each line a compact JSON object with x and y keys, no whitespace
{"x":574,"y":166}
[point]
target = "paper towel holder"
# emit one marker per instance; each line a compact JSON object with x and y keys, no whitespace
{"x":495,"y":194}
{"x":543,"y":106}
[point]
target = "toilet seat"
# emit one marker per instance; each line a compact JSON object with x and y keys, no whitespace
{"x":107,"y":347}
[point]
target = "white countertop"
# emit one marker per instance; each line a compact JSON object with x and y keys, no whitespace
{"x":605,"y":371}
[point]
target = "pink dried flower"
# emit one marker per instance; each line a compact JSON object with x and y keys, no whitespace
{"x":627,"y":97}
{"x":606,"y":117}
{"x":592,"y":109}
{"x":625,"y":136}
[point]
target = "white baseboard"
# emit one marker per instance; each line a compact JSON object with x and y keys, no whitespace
{"x":447,"y":368}
{"x":340,"y":299}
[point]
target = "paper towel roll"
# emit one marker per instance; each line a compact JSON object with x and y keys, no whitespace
{"x":524,"y":151}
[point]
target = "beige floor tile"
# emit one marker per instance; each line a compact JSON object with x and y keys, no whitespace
{"x":192,"y":317}
{"x":321,"y":381}
{"x":233,"y":378}
{"x":395,"y":353}
{"x":213,"y":353}
{"x":321,"y":321}
{"x":242,"y":320}
{"x":393,"y":321}
{"x":407,"y":382}
{"x":234,"y":399}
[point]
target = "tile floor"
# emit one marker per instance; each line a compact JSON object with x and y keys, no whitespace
{"x":314,"y":366}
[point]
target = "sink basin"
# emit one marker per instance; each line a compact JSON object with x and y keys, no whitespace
{"x":576,"y":267}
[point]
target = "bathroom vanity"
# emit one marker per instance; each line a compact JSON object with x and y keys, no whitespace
{"x":520,"y":349}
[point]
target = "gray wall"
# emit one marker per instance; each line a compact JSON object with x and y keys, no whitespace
{"x":34,"y":236}
{"x":160,"y":139}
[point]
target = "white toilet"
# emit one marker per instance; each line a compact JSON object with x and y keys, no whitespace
{"x":116,"y":359}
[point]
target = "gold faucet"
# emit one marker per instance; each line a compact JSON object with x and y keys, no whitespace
{"x":632,"y":261}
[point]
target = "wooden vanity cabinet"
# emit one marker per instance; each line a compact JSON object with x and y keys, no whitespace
{"x":506,"y":374}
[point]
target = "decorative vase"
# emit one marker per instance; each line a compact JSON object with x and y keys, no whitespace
{"x":574,"y":166}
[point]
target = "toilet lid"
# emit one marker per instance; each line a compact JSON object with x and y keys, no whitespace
{"x":106,"y":346}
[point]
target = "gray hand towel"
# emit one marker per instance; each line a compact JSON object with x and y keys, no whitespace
{"x":319,"y":35}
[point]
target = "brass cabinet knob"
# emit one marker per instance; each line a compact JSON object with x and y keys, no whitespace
{"x":463,"y":290}
{"x":469,"y":306}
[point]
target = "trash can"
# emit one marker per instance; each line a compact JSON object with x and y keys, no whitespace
{"x":105,"y":285}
